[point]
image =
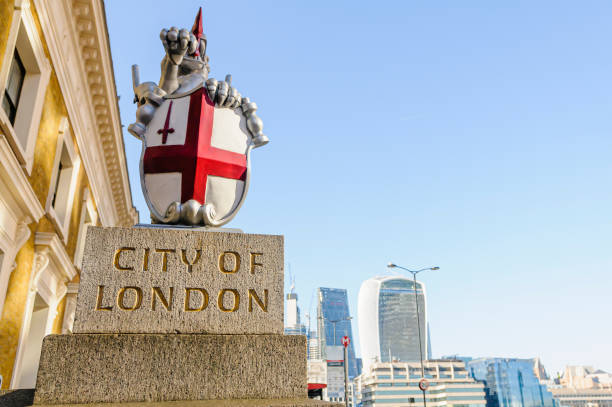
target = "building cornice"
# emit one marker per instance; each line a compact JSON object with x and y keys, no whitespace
{"x":76,"y":35}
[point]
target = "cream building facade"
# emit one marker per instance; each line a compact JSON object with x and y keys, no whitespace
{"x":62,"y":167}
{"x":582,"y":386}
{"x":396,"y":383}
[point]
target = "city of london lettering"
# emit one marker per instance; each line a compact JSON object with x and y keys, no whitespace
{"x":193,"y":299}
{"x":160,"y":259}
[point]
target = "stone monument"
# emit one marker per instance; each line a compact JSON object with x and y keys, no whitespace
{"x":182,"y":312}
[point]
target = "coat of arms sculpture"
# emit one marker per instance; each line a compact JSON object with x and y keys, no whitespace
{"x":197,"y":134}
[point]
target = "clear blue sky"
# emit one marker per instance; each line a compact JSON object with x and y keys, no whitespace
{"x":474,"y":135}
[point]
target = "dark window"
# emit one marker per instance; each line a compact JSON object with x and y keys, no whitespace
{"x":13,"y":87}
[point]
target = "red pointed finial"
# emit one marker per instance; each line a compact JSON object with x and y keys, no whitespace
{"x":198,"y":31}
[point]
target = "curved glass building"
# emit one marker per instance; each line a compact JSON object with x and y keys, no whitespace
{"x":387,"y":320}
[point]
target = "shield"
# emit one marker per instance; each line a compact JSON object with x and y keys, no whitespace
{"x":194,"y":166}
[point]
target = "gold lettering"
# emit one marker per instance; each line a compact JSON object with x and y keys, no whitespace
{"x":99,"y":306}
{"x":118,"y":254}
{"x":145,"y":261}
{"x":188,"y":298}
{"x":254,"y":261}
{"x":236,"y":300}
{"x":164,"y":253}
{"x":137,"y":299}
{"x":186,"y":262}
{"x":157,"y":292}
{"x":222,"y":262}
{"x":263,"y":305}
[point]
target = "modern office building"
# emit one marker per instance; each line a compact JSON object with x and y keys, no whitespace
{"x":396,"y":384}
{"x":388,"y":328}
{"x":510,"y":382}
{"x":333,"y":322}
{"x":313,"y":347}
{"x":582,"y":386}
{"x":293,"y":326}
{"x":569,"y":397}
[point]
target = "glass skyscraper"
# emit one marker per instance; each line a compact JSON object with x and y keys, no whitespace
{"x":387,"y":314}
{"x":333,"y":323}
{"x":510,"y":382}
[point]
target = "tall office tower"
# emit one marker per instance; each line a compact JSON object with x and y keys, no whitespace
{"x":313,"y":347}
{"x":510,"y":382}
{"x":333,"y":323}
{"x":388,"y":320}
{"x":293,"y":325}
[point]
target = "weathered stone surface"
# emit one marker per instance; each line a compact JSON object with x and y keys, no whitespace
{"x":102,"y":368}
{"x":295,"y":402}
{"x":25,"y":398}
{"x":126,"y":282}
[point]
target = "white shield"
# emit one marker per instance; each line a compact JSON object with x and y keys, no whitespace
{"x":195,"y":161}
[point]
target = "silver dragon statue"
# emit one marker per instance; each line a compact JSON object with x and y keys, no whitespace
{"x":184,"y":70}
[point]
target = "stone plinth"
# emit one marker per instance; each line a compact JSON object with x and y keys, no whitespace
{"x":102,"y":368}
{"x":299,"y":402}
{"x":154,"y":280}
{"x":177,"y":317}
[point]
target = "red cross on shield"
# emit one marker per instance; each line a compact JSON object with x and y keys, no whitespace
{"x":194,"y":151}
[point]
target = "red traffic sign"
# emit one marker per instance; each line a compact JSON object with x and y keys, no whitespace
{"x":423,"y":384}
{"x":346,"y":341}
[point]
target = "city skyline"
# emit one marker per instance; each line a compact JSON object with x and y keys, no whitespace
{"x":426,"y":338}
{"x":488,"y":160}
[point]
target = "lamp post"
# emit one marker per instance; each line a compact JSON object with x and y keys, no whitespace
{"x":423,"y":383}
{"x":334,"y":322}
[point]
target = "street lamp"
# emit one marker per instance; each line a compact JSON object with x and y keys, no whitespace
{"x":334,"y":322}
{"x":423,"y":383}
